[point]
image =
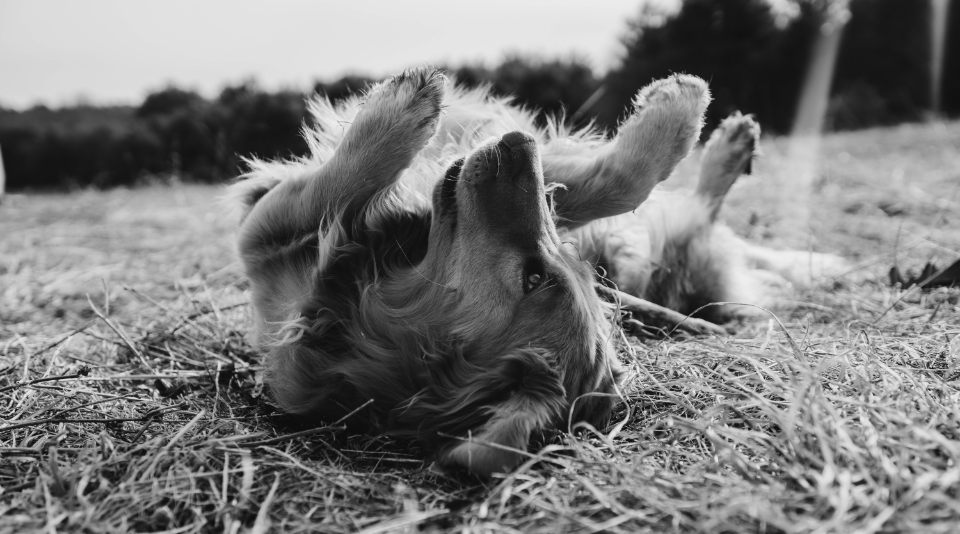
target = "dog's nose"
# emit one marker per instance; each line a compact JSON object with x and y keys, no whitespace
{"x":518,"y":157}
{"x":517,"y":139}
{"x":513,"y":159}
{"x":501,"y":186}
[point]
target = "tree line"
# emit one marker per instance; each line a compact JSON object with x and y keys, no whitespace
{"x":753,"y":53}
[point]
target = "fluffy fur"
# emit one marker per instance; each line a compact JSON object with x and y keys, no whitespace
{"x":436,"y":253}
{"x":672,"y":252}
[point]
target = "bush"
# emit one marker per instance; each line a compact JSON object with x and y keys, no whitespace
{"x":554,"y":87}
{"x":754,"y":53}
{"x":344,"y":87}
{"x":753,"y":57}
{"x":174,"y":132}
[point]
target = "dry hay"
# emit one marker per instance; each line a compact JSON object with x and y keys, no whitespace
{"x":139,"y":409}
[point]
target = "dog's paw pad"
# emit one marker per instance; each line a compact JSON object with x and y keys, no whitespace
{"x":417,"y":93}
{"x":680,"y":92}
{"x":738,"y":132}
{"x":666,"y":123}
{"x":733,"y":145}
{"x":668,"y":117}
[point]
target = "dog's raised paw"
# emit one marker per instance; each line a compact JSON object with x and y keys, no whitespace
{"x":667,"y":119}
{"x":734,"y":143}
{"x":413,"y":98}
{"x":681,"y":92}
{"x":676,"y":103}
{"x":728,"y":154}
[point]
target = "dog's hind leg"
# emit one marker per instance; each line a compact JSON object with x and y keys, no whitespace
{"x":799,"y":267}
{"x":681,"y":260}
{"x":617,"y":177}
{"x":729,"y":153}
{"x":397,"y":119}
{"x":698,"y":262}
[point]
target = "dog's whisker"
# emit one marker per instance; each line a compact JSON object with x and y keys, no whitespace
{"x":414,"y":267}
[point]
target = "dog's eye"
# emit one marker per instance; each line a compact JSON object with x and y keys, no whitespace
{"x":534,"y":276}
{"x":534,"y":280}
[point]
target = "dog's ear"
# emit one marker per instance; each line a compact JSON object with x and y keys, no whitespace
{"x":535,"y":399}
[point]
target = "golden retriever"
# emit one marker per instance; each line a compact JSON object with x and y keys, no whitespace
{"x":436,"y":252}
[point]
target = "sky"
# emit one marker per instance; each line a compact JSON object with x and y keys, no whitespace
{"x":60,"y":52}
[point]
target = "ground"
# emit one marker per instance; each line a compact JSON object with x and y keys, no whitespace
{"x":841,"y":413}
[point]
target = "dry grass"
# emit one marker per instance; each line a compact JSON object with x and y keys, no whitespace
{"x":846,"y":421}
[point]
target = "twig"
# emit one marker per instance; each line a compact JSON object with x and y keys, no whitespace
{"x":173,"y":441}
{"x":20,"y":450}
{"x":18,"y":487}
{"x":295,"y":435}
{"x":934,"y":314}
{"x":143,"y":429}
{"x":121,"y":334}
{"x":262,"y":523}
{"x":221,"y":308}
{"x":101,"y":401}
{"x":653,"y":313}
{"x":164,"y":376}
{"x":149,"y":415}
{"x":45,"y":421}
{"x":84,"y":371}
{"x":74,"y":391}
{"x":153,"y":301}
{"x":310,"y":432}
{"x":190,"y":318}
{"x":96,"y":335}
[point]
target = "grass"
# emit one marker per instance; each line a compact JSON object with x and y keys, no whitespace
{"x":847,"y":419}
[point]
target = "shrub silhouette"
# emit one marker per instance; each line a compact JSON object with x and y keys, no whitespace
{"x":753,"y":54}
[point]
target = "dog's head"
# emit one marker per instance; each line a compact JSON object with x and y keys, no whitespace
{"x":467,"y":322}
{"x":515,"y":305}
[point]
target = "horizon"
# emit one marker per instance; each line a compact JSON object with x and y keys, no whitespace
{"x":195,"y":47}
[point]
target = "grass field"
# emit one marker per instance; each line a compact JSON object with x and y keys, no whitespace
{"x":845,"y":419}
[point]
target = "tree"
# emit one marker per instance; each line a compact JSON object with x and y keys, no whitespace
{"x":883,"y":69}
{"x":344,"y":87}
{"x":752,"y":55}
{"x":168,"y":101}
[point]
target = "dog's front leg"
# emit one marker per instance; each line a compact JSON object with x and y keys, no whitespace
{"x":618,"y":177}
{"x":397,"y":119}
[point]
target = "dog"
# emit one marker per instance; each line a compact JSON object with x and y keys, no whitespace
{"x":430,"y":269}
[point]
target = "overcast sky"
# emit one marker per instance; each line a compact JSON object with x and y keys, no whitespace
{"x":114,"y":51}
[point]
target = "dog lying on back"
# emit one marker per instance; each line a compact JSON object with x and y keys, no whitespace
{"x":437,"y":253}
